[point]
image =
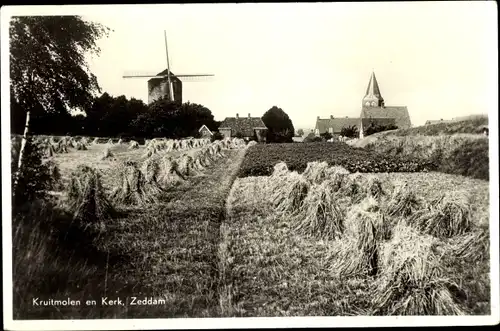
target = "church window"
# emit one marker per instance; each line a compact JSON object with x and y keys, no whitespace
{"x":373,"y":104}
{"x":367,"y":103}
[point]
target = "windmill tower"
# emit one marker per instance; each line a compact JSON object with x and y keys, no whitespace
{"x":166,"y":84}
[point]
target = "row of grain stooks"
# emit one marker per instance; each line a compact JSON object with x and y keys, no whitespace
{"x":51,"y":145}
{"x":166,"y":169}
{"x":142,"y":182}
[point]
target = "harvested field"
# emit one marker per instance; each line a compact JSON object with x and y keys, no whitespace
{"x":162,"y":249}
{"x":109,"y":166}
{"x":173,"y":227}
{"x":269,"y":268}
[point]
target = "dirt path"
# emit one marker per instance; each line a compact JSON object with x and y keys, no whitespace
{"x":169,"y":251}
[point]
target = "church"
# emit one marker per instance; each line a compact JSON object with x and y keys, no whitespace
{"x":373,"y":110}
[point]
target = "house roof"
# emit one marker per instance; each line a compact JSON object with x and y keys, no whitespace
{"x":323,"y":125}
{"x":400,"y":114}
{"x":204,"y":126}
{"x":243,"y":125}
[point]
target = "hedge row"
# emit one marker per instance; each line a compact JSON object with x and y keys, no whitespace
{"x":472,"y":126}
{"x":466,"y":155}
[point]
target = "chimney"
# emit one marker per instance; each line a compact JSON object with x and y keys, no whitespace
{"x":237,"y":115}
{"x":331,"y":117}
{"x":248,"y":115}
{"x":318,"y":117}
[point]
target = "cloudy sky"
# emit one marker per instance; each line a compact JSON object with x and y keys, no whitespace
{"x":438,"y":59}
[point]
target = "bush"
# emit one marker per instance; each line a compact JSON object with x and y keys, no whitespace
{"x":470,"y":159}
{"x":216,"y":136}
{"x":326,"y":135}
{"x":374,"y":128}
{"x":313,"y":139}
{"x":34,"y":178}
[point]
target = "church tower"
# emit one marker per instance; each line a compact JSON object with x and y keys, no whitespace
{"x":373,"y":98}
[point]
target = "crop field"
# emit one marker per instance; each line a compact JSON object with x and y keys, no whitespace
{"x":319,"y":229}
{"x":330,"y":243}
{"x":260,"y":159}
{"x":126,"y":222}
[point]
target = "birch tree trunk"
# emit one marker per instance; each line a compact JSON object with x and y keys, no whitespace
{"x":21,"y":152}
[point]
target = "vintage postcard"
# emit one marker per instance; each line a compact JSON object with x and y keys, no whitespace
{"x":250,"y":165}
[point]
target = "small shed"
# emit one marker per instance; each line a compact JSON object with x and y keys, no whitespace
{"x":205,"y":132}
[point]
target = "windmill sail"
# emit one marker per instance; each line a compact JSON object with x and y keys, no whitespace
{"x":152,"y":75}
{"x":170,"y":87}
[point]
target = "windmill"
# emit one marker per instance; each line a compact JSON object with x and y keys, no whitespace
{"x":166,"y":84}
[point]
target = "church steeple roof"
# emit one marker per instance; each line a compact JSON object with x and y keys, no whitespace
{"x":373,"y":97}
{"x":373,"y":89}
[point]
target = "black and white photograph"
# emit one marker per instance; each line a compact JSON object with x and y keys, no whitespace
{"x":250,"y":165}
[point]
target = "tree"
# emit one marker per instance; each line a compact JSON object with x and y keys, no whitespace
{"x":280,"y":127}
{"x":300,"y":133}
{"x":171,"y":119}
{"x":48,"y":66}
{"x":55,"y":122}
{"x":113,"y":116}
{"x":349,"y":131}
{"x":216,"y":136}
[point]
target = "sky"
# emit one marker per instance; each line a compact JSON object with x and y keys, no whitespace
{"x":310,"y":59}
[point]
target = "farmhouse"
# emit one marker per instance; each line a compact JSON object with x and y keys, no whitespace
{"x":373,"y":111}
{"x":205,"y":132}
{"x":244,"y":127}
